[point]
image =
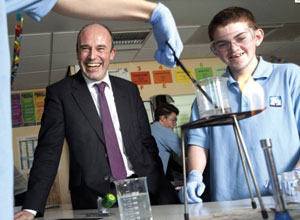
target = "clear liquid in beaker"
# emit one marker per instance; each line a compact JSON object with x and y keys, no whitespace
{"x":216,"y":89}
{"x":135,"y":207}
{"x":133,"y":199}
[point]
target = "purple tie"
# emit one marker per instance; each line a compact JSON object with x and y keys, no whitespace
{"x":114,"y":155}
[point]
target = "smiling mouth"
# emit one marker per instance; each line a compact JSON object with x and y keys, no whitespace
{"x":93,"y":64}
{"x":236,"y":56}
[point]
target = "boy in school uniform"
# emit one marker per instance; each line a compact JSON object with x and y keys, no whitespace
{"x":253,"y":84}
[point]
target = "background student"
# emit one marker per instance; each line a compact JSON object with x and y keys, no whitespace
{"x":162,"y":130}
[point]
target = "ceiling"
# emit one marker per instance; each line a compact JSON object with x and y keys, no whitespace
{"x":48,"y":47}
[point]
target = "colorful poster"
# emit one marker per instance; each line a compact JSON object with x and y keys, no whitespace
{"x":120,"y":72}
{"x":203,"y":72}
{"x":28,"y":108}
{"x":162,"y":76}
{"x":220,"y":70}
{"x":141,"y":78}
{"x":180,"y":75}
{"x":39,"y":101}
{"x":16,"y":110}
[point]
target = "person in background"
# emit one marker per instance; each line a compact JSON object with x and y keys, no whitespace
{"x":75,"y":110}
{"x":158,"y":15}
{"x":162,"y":130}
{"x":253,"y":84}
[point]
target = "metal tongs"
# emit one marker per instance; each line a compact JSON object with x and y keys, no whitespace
{"x":178,"y":63}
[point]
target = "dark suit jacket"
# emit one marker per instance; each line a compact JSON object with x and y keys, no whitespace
{"x":71,"y":113}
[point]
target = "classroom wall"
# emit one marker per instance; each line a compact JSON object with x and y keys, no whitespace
{"x":179,"y":85}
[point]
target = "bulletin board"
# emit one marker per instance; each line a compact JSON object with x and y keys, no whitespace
{"x":27,"y":107}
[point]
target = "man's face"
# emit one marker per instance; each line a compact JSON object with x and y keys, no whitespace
{"x":235,"y":44}
{"x":94,"y":51}
{"x":169,"y":121}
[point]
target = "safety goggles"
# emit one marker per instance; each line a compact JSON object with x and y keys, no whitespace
{"x":241,"y":39}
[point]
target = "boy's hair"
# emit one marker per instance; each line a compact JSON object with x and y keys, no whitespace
{"x":165,"y":109}
{"x":231,"y":15}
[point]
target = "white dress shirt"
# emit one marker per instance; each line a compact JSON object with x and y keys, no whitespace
{"x":113,"y":112}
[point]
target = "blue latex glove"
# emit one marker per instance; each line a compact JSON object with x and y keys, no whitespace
{"x":164,"y":29}
{"x":194,"y":188}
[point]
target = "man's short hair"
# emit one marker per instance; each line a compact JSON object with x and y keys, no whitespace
{"x":165,"y":109}
{"x":231,"y":15}
{"x":84,"y":27}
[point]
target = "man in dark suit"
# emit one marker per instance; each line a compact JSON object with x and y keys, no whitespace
{"x":72,"y":111}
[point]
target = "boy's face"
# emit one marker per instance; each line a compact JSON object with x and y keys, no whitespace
{"x":169,"y":121}
{"x":235,"y":44}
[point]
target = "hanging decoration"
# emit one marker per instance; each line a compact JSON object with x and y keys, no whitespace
{"x":17,"y":46}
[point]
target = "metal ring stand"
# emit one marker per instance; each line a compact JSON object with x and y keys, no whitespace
{"x":220,"y":120}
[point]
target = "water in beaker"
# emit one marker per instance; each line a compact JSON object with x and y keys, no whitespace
{"x":133,"y":199}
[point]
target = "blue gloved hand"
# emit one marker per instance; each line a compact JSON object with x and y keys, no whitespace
{"x":164,"y":29}
{"x":194,"y":188}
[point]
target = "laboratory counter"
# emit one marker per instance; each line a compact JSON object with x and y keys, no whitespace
{"x":238,"y":209}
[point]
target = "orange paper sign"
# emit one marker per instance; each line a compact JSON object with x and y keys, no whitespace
{"x":141,"y":78}
{"x":162,"y":76}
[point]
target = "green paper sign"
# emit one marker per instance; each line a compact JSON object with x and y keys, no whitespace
{"x":203,"y":72}
{"x":28,"y":108}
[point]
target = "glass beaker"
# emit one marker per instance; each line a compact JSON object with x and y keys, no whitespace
{"x":216,"y":89}
{"x":133,"y":199}
{"x":290,"y":187}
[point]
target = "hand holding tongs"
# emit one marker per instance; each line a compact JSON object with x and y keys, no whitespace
{"x":178,"y":62}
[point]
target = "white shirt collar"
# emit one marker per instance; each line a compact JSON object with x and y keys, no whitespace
{"x":90,"y":83}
